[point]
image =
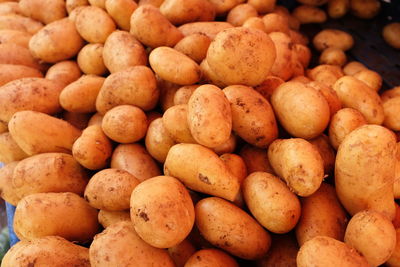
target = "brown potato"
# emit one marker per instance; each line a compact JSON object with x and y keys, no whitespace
{"x":227,"y":147}
{"x":333,"y":38}
{"x":14,"y":54}
{"x":330,"y":96}
{"x":276,"y":23}
{"x":121,"y":11}
{"x":194,"y":46}
{"x":45,"y":11}
{"x":158,"y":140}
{"x":326,"y":151}
{"x":309,"y":14}
{"x":263,"y":6}
{"x":391,"y":110}
{"x":181,"y":12}
{"x":9,"y":149}
{"x":16,"y":37}
{"x":256,"y":159}
{"x":338,"y":8}
{"x":391,"y":34}
{"x":235,"y":165}
{"x":7,"y":189}
{"x":72,"y":4}
{"x":209,"y":28}
{"x":255,"y":23}
{"x":365,"y":9}
{"x":223,"y":6}
{"x":283,"y":252}
{"x":282,"y":66}
{"x":175,"y":121}
{"x":74,"y":13}
{"x":326,"y":74}
{"x":19,"y":23}
{"x":370,"y":78}
{"x":181,"y":252}
{"x":208,"y":75}
{"x":353,"y":67}
{"x":64,"y":72}
{"x":11,"y":72}
{"x":90,"y":59}
{"x":107,"y":218}
{"x":211,"y":257}
{"x":333,"y":56}
{"x":240,"y":13}
{"x":183,"y":94}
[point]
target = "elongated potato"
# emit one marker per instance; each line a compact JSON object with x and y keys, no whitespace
{"x":16,"y":37}
{"x":158,"y":140}
{"x":90,"y":59}
{"x":211,"y":257}
{"x":181,"y":12}
{"x":333,"y":38}
{"x":338,"y":8}
{"x":365,"y":9}
{"x":11,"y":53}
{"x":79,"y":220}
{"x":65,"y":72}
{"x":209,"y":28}
{"x":364,"y":170}
{"x":309,"y":14}
{"x":121,"y":11}
{"x":19,"y":23}
{"x":107,"y":218}
{"x":228,"y":227}
{"x":9,"y":149}
{"x":11,"y":72}
{"x":7,"y":189}
{"x":370,"y":78}
{"x":283,"y":252}
{"x":45,"y":11}
{"x":175,"y":120}
{"x":57,"y":136}
{"x":202,"y":170}
{"x":194,"y":46}
{"x":181,"y":253}
{"x":256,"y":159}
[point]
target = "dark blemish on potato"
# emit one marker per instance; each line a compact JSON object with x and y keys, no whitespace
{"x":226,"y":243}
{"x":198,"y":258}
{"x":204,"y":178}
{"x":259,"y":138}
{"x":144,"y":216}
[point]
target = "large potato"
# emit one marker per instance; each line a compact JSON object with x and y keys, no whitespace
{"x":45,"y":11}
{"x":333,"y":38}
{"x":211,"y":257}
{"x":11,"y":72}
{"x":11,"y":53}
{"x":90,"y":59}
{"x":158,"y":140}
{"x":121,"y":11}
{"x":209,"y":28}
{"x":194,"y":46}
{"x":7,"y":190}
{"x":283,"y":252}
{"x":175,"y":120}
{"x":16,"y":37}
{"x":65,"y":72}
{"x":19,"y":23}
{"x":181,"y":12}
{"x":9,"y":149}
{"x":107,"y":218}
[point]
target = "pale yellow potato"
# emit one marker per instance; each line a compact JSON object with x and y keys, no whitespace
{"x":302,"y":53}
{"x":7,"y":190}
{"x":252,"y":116}
{"x":282,"y":66}
{"x":49,"y":172}
{"x":228,"y":227}
{"x":11,"y":72}
{"x":16,"y":37}
{"x":152,"y":28}
{"x":283,"y":252}
{"x":9,"y":7}
{"x":79,"y":120}
{"x":183,"y":94}
{"x":65,"y":72}
{"x":36,"y":94}
{"x":181,"y":12}
{"x":329,"y":252}
{"x":158,"y":140}
{"x":98,"y":3}
{"x":295,"y":105}
{"x":333,"y":56}
{"x":391,"y":34}
{"x":94,"y":24}
{"x":122,"y":50}
{"x":309,"y":14}
{"x":268,"y":86}
{"x":322,"y":143}
{"x":134,"y":86}
{"x":388,"y":94}
{"x":19,"y":23}
{"x":365,"y":170}
{"x":134,"y":159}
{"x":80,"y":96}
{"x":175,"y":121}
{"x":211,"y":257}
{"x":90,"y":59}
{"x":228,"y":147}
{"x":370,"y":78}
{"x":256,"y":159}
{"x":47,"y":251}
{"x":338,"y":8}
{"x":235,"y":164}
{"x":64,"y":214}
{"x":333,"y":38}
{"x":14,"y":54}
{"x":120,"y":245}
{"x":56,"y":41}
{"x":394,"y":260}
{"x":391,"y":108}
{"x":174,"y":66}
{"x":181,"y":252}
{"x":73,"y":4}
{"x":194,"y":46}
{"x":45,"y":11}
{"x":276,"y":23}
{"x":241,"y":56}
{"x":365,"y":9}
{"x":209,"y":28}
{"x":200,"y":169}
{"x":240,"y":13}
{"x":121,"y":11}
{"x":326,"y":74}
{"x":263,"y":6}
{"x":209,"y":116}
{"x":298,"y":163}
{"x":255,"y":23}
{"x":125,"y":124}
{"x":373,"y":235}
{"x":107,"y":218}
{"x":354,"y":93}
{"x":9,"y":149}
{"x":353,"y":67}
{"x":330,"y":96}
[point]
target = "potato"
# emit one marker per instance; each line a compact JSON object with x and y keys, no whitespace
{"x":181,"y":12}
{"x":391,"y":110}
{"x":326,"y":74}
{"x":98,"y":3}
{"x":72,"y":4}
{"x":94,"y":24}
{"x":327,"y":251}
{"x":133,"y":86}
{"x":240,"y":13}
{"x":181,"y":253}
{"x":268,"y":86}
{"x":396,"y":186}
{"x":44,"y":11}
{"x":309,"y":14}
{"x":134,"y":159}
{"x":300,"y":120}
{"x":353,"y":93}
{"x":79,"y":120}
{"x":16,"y":37}
{"x":208,"y":75}
{"x":241,"y":56}
{"x":353,"y":67}
{"x":252,"y":116}
{"x":19,"y":23}
{"x":57,"y":136}
{"x":263,"y":6}
{"x":36,"y":94}
{"x":49,"y":172}
{"x":156,"y":3}
{"x":10,"y":72}
{"x":9,"y":150}
{"x":373,"y":235}
{"x":302,"y":53}
{"x":95,"y":119}
{"x":90,"y":59}
{"x":391,"y":34}
{"x":364,"y":170}
{"x":194,"y":46}
{"x":175,"y":121}
{"x":333,"y":38}
{"x":370,"y":78}
{"x":64,"y":72}
{"x":223,"y":6}
{"x":298,"y":38}
{"x":235,"y":165}
{"x":255,"y":23}
{"x":394,"y":260}
{"x":228,"y":227}
{"x":387,"y":94}
{"x":200,"y":169}
{"x":209,"y":116}
{"x":79,"y":220}
{"x":174,"y":66}
{"x":9,"y":7}
{"x":183,"y":94}
{"x":298,"y":163}
{"x":326,"y":151}
{"x":121,"y":11}
{"x":120,"y":245}
{"x":301,"y":79}
{"x":125,"y":124}
{"x":283,"y":252}
{"x":365,"y":9}
{"x":330,"y":96}
{"x":80,"y":96}
{"x":122,"y":50}
{"x":256,"y":159}
{"x":162,"y":211}
{"x":209,"y":28}
{"x":228,"y":147}
{"x":282,"y":65}
{"x":211,"y":257}
{"x":276,"y":23}
{"x":47,"y":251}
{"x":338,"y":8}
{"x":18,"y":55}
{"x":7,"y":189}
{"x":158,"y":140}
{"x":107,"y":218}
{"x":167,"y":93}
{"x":152,"y":28}
{"x":56,"y":41}
{"x":333,"y":56}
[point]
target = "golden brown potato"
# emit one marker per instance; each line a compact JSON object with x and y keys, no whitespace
{"x":333,"y":38}
{"x":388,"y":94}
{"x":276,"y":23}
{"x":9,"y":7}
{"x":79,"y":120}
{"x":283,"y":252}
{"x":64,"y":72}
{"x":255,"y":23}
{"x":282,"y":66}
{"x":263,"y":6}
{"x":370,"y":78}
{"x":45,"y":11}
{"x":158,"y":140}
{"x":326,"y":151}
{"x":72,"y":4}
{"x":194,"y":46}
{"x":7,"y":189}
{"x":223,"y":6}
{"x":228,"y":147}
{"x":330,"y":96}
{"x":256,"y":159}
{"x":11,"y":72}
{"x":181,"y":12}
{"x":333,"y":56}
{"x":209,"y":28}
{"x":121,"y":11}
{"x":90,"y":59}
{"x":208,"y":75}
{"x":98,"y":3}
{"x":16,"y":37}
{"x":365,"y":9}
{"x":211,"y":257}
{"x":240,"y":13}
{"x":183,"y":94}
{"x":107,"y":218}
{"x":391,"y":33}
{"x":338,"y":8}
{"x":14,"y":54}
{"x":95,"y":119}
{"x":326,"y":74}
{"x":175,"y":121}
{"x":353,"y":67}
{"x":235,"y":164}
{"x":302,"y":53}
{"x":181,"y":252}
{"x":309,"y":14}
{"x":394,"y":260}
{"x":19,"y":23}
{"x":268,"y":86}
{"x":391,"y":110}
{"x":9,"y":149}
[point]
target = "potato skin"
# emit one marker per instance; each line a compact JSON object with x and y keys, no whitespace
{"x":110,"y":248}
{"x":194,"y":46}
{"x":45,"y":11}
{"x":283,"y":252}
{"x":11,"y":72}
{"x":15,"y":37}
{"x":175,"y":121}
{"x":325,"y":74}
{"x":309,"y":14}
{"x":121,"y":11}
{"x":370,"y":78}
{"x":256,"y":159}
{"x":333,"y":38}
{"x":107,"y":218}
{"x":158,"y":140}
{"x":391,"y":110}
{"x":7,"y":190}
{"x":391,"y":34}
{"x":240,"y":13}
{"x":330,"y":96}
{"x":79,"y":221}
{"x":9,"y":149}
{"x":326,"y":151}
{"x":228,"y":227}
{"x":211,"y":257}
{"x":20,"y":23}
{"x":72,"y":4}
{"x":209,"y":28}
{"x":65,"y":72}
{"x":178,"y":12}
{"x":338,"y":8}
{"x":181,"y":253}
{"x":11,"y":53}
{"x":365,"y":162}
{"x":90,"y":59}
{"x":394,"y":260}
{"x":282,"y":66}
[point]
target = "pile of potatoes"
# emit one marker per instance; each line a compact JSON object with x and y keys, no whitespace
{"x":193,"y":133}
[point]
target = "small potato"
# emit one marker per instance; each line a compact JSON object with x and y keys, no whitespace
{"x":7,"y":189}
{"x":121,"y":11}
{"x":152,"y":28}
{"x":326,"y":74}
{"x":235,"y":164}
{"x":90,"y":59}
{"x":276,"y":23}
{"x":110,"y":189}
{"x":19,"y":23}
{"x":373,"y":235}
{"x":338,"y":8}
{"x":391,"y":33}
{"x":333,"y":38}
{"x":183,"y":94}
{"x":256,"y":159}
{"x":181,"y":12}
{"x":202,"y":170}
{"x":134,"y":86}
{"x":211,"y":257}
{"x":263,"y":6}
{"x":282,"y":67}
{"x":333,"y":56}
{"x":95,"y":119}
{"x":209,"y":28}
{"x":16,"y":37}
{"x":98,"y":3}
{"x":353,"y":67}
{"x":283,"y":252}
{"x":240,"y":13}
{"x":365,"y":9}
{"x":80,"y":96}
{"x":174,"y":66}
{"x":330,"y":96}
{"x":79,"y":120}
{"x":181,"y":252}
{"x":11,"y":72}
{"x":391,"y":108}
{"x":228,"y":227}
{"x":255,"y":23}
{"x":388,"y":94}
{"x":326,"y":151}
{"x":194,"y":46}
{"x":309,"y":14}
{"x":45,"y":11}
{"x":120,"y":245}
{"x":72,"y":4}
{"x":158,"y":140}
{"x":94,"y":24}
{"x":394,"y":260}
{"x":223,"y":6}
{"x":252,"y":116}
{"x":64,"y":72}
{"x":175,"y":121}
{"x":298,"y":163}
{"x":329,"y":252}
{"x":268,"y":86}
{"x":107,"y":218}
{"x":64,"y":214}
{"x":228,"y":147}
{"x":9,"y":7}
{"x":18,"y":55}
{"x":122,"y":50}
{"x":125,"y":124}
{"x":370,"y":78}
{"x":49,"y":172}
{"x":134,"y":159}
{"x":47,"y":251}
{"x":56,"y":41}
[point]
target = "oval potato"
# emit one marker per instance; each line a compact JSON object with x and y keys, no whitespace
{"x":158,"y":140}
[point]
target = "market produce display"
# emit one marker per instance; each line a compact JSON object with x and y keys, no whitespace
{"x":196,"y":133}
